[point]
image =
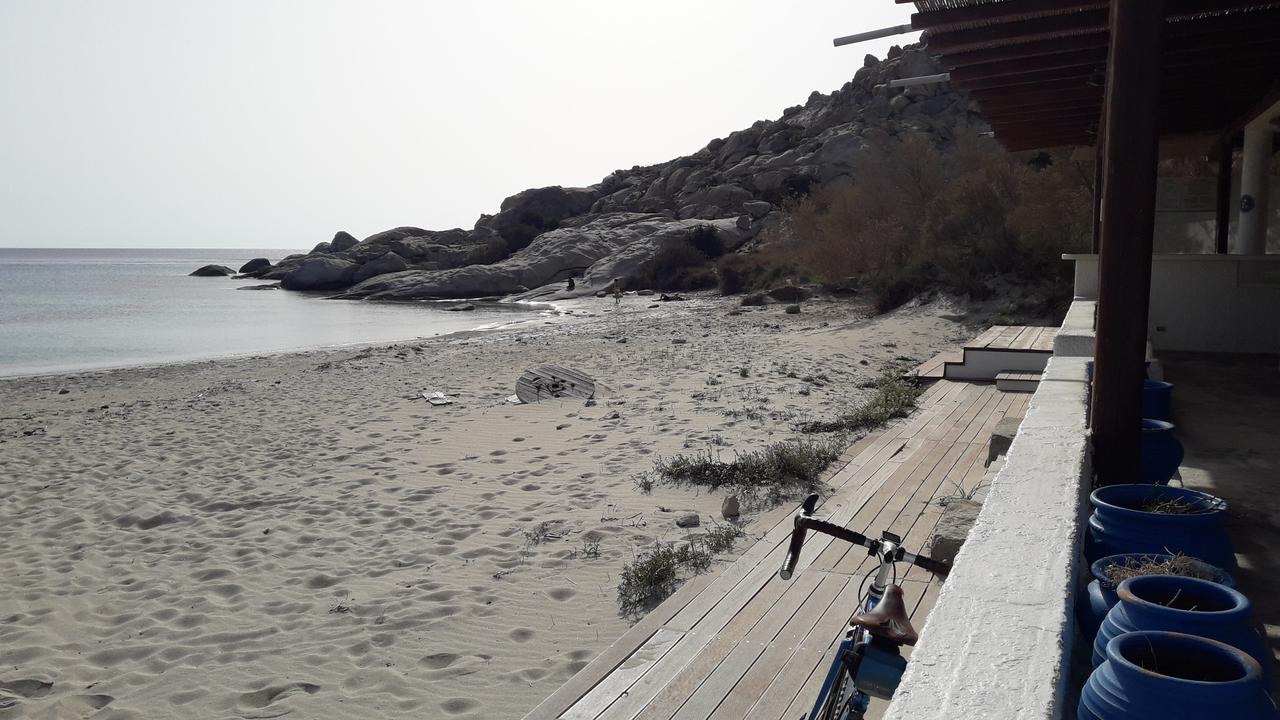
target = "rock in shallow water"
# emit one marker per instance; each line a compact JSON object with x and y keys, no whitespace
{"x":255,"y":265}
{"x":213,"y":271}
{"x":319,"y":273}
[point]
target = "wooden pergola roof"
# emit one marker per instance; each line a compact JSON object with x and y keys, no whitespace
{"x":1037,"y":68}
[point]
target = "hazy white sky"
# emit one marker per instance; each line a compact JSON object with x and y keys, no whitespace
{"x":274,"y":123}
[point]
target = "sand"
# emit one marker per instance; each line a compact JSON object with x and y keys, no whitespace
{"x":304,"y":535}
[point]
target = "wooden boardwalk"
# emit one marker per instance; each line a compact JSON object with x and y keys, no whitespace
{"x":741,"y":643}
{"x":997,"y":338}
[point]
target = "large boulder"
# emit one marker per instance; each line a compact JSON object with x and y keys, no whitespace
{"x":604,"y":247}
{"x":213,"y":271}
{"x":381,"y":265}
{"x":255,"y":265}
{"x":528,"y":214}
{"x":432,"y":249}
{"x":342,"y":241}
{"x":319,"y":273}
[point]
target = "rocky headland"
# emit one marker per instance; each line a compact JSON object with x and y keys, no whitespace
{"x":615,"y":228}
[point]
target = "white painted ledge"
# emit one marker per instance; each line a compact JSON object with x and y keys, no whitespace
{"x":998,"y":642}
{"x":1076,"y":336}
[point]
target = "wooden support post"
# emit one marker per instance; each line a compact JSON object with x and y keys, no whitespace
{"x":1127,"y":227}
{"x":1226,"y":148}
{"x":1099,"y":162}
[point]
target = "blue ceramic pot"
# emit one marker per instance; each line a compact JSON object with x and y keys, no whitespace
{"x":1120,"y":525}
{"x":1157,"y":400}
{"x":1184,"y":605}
{"x":1161,"y":451}
{"x":1172,"y":676}
{"x":1100,"y":596}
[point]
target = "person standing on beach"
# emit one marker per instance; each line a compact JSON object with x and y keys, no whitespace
{"x":615,"y":288}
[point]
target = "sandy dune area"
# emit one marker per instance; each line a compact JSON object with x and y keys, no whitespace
{"x":303,"y":535}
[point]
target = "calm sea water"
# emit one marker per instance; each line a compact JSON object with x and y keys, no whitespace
{"x":67,"y":310}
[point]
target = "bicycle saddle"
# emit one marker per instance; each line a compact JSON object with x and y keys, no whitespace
{"x":889,"y":619}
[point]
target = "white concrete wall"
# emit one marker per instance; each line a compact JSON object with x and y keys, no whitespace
{"x":998,"y":642}
{"x":1208,"y":303}
{"x":1076,"y":337}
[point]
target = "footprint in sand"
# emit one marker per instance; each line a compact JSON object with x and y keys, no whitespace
{"x":261,"y":698}
{"x":458,"y":706}
{"x":439,"y":661}
{"x":521,"y":634}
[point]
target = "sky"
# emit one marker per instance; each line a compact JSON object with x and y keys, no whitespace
{"x":275,"y":123}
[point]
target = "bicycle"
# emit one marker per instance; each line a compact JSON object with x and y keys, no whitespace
{"x":869,"y":660}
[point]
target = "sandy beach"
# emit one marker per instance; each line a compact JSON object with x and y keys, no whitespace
{"x":304,"y":535}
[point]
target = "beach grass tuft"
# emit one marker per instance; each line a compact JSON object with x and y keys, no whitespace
{"x":894,"y":397}
{"x":657,"y":571}
{"x":780,"y":472}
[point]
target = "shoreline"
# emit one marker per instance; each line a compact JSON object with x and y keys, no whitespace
{"x":490,"y":327}
{"x":303,"y":533}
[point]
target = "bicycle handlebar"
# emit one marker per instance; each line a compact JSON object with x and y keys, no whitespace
{"x":804,"y":521}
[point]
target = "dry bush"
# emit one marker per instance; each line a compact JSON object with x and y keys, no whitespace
{"x":916,"y":219}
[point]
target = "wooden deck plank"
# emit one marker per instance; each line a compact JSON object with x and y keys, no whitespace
{"x":616,"y":684}
{"x":783,"y":597}
{"x":868,"y":509}
{"x":985,"y":338}
{"x":900,"y":514}
{"x":786,"y":685}
{"x":770,"y":663}
{"x":1024,"y":339}
{"x":712,"y":692}
{"x":1045,"y":341}
{"x":957,"y":424}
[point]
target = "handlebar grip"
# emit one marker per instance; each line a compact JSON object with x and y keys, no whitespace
{"x":933,"y":566}
{"x":793,"y":552}
{"x":798,"y":531}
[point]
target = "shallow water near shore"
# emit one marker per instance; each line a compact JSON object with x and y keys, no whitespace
{"x":69,"y":310}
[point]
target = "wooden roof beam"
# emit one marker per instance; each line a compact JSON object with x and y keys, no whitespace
{"x":1263,"y":57}
{"x":1238,"y":14}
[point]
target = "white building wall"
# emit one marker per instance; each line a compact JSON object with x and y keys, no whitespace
{"x":1207,"y":303}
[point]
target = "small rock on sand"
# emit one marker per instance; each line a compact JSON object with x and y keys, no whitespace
{"x":730,"y":508}
{"x":793,"y":309}
{"x":688,"y":520}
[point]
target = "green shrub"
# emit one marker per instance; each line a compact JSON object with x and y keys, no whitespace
{"x":657,"y":572}
{"x":706,"y":240}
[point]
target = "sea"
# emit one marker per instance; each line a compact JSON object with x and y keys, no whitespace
{"x":69,"y":310}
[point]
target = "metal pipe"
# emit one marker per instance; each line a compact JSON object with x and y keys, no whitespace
{"x":873,"y":34}
{"x":920,"y":80}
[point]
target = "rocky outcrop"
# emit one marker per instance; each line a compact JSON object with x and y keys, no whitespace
{"x":388,"y":262}
{"x":613,"y":228}
{"x":213,"y":271}
{"x":527,"y":214}
{"x":319,"y":273}
{"x":601,"y":248}
{"x":255,"y":265}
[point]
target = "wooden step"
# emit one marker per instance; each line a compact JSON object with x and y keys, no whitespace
{"x":1014,"y":381}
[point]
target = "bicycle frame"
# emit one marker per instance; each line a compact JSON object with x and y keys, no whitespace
{"x":852,"y":653}
{"x":865,"y":666}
